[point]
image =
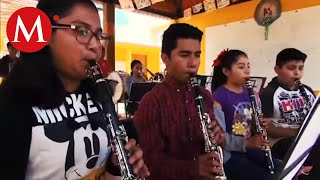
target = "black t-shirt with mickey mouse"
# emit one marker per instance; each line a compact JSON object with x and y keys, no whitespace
{"x":66,"y":142}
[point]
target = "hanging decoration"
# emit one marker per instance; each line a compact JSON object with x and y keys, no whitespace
{"x":187,"y":12}
{"x":222,"y":3}
{"x":126,"y":4}
{"x":142,"y":3}
{"x":197,"y":8}
{"x":209,"y":5}
{"x":266,"y":13}
{"x":204,"y":6}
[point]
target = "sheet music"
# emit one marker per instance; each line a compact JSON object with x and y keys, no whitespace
{"x":308,"y":136}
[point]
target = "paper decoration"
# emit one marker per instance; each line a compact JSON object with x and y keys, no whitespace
{"x":126,"y":4}
{"x":187,"y":12}
{"x":267,"y":11}
{"x":197,"y":8}
{"x":142,"y":3}
{"x":209,"y":5}
{"x":155,"y":1}
{"x":222,"y":3}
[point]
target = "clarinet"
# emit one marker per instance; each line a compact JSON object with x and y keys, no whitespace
{"x":257,"y":127}
{"x":205,"y":121}
{"x":305,"y":96}
{"x":117,"y":135}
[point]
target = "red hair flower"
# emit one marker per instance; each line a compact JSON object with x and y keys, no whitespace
{"x":217,"y":61}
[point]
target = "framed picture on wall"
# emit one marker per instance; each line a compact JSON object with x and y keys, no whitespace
{"x":258,"y":83}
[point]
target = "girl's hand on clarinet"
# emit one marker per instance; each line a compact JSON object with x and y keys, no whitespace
{"x":136,"y":159}
{"x":217,"y":135}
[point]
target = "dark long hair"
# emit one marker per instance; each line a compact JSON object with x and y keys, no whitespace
{"x":133,"y":63}
{"x":226,"y":61}
{"x":34,"y":79}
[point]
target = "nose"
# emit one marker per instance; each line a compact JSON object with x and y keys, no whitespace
{"x":297,"y":72}
{"x":95,"y":45}
{"x":193,"y":61}
{"x":247,"y":70}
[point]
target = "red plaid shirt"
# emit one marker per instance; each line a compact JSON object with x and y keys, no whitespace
{"x":169,"y":130}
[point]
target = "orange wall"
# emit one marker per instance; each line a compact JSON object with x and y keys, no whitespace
{"x":236,"y":13}
{"x":124,"y":53}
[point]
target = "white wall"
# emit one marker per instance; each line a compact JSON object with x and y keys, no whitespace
{"x":137,"y":28}
{"x":299,"y":29}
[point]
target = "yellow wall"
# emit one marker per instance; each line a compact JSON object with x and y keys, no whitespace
{"x":236,"y":13}
{"x":124,"y":53}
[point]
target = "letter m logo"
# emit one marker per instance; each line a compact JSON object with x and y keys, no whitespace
{"x":21,"y":26}
{"x":29,"y":29}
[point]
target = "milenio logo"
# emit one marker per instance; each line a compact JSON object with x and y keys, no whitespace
{"x":29,"y":29}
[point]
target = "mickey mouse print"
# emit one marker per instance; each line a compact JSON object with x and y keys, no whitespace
{"x":68,"y":142}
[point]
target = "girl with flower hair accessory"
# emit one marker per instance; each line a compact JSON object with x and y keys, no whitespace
{"x":243,"y":152}
{"x":217,"y":61}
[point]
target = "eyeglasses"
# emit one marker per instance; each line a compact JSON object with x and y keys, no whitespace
{"x":83,"y":34}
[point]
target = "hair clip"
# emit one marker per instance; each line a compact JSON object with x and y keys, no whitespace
{"x":217,"y":61}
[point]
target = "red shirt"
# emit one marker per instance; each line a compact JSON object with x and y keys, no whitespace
{"x":170,"y":131}
{"x":105,"y":67}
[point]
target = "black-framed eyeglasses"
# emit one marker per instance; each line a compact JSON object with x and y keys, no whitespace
{"x":83,"y":34}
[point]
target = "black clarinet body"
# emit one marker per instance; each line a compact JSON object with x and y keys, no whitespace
{"x":117,"y":135}
{"x":257,"y":128}
{"x":205,"y":121}
{"x":304,"y":95}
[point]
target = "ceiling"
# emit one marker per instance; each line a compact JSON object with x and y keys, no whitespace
{"x":174,"y":8}
{"x":169,"y":8}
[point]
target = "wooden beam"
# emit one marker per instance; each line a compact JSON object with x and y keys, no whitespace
{"x":179,"y":9}
{"x":109,"y":26}
{"x":159,"y":12}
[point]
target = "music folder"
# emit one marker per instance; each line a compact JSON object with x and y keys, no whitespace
{"x":305,"y":141}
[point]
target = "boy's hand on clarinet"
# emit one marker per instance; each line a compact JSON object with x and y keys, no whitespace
{"x":217,"y":135}
{"x":209,"y":166}
{"x":257,"y":141}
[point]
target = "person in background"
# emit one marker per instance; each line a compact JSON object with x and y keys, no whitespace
{"x":244,"y":151}
{"x":136,"y":75}
{"x":167,"y":118}
{"x":52,"y":122}
{"x":7,"y":62}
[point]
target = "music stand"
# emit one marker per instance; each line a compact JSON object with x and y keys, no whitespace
{"x":137,"y":91}
{"x":202,"y":80}
{"x":258,"y":83}
{"x":303,"y":143}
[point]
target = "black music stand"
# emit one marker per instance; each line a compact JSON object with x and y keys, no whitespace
{"x":258,"y":83}
{"x":204,"y":80}
{"x":137,"y":91}
{"x":304,"y":143}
